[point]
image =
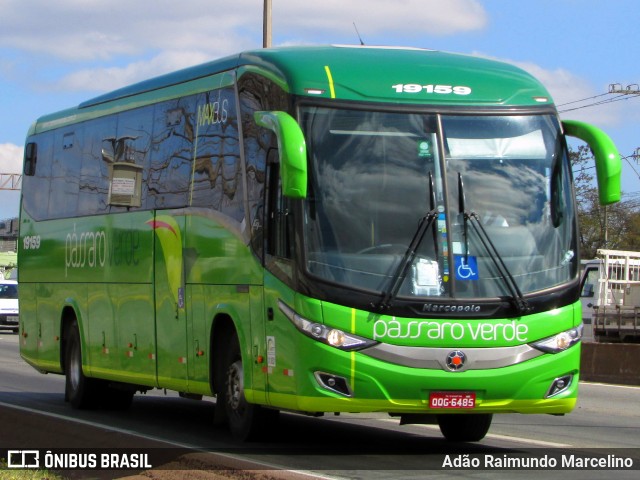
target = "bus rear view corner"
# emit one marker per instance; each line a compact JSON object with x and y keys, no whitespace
{"x":270,"y":230}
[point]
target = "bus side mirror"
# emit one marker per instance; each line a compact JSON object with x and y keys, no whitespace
{"x":608,"y":163}
{"x":292,"y":149}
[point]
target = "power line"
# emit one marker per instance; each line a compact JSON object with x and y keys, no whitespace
{"x":583,"y":99}
{"x":618,"y":98}
{"x":631,"y":165}
{"x":635,"y":156}
{"x":626,"y":93}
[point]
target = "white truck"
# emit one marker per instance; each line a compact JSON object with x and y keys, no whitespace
{"x":610,"y":294}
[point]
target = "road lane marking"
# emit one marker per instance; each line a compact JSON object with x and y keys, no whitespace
{"x":193,"y":448}
{"x":611,"y":385}
{"x":495,"y":436}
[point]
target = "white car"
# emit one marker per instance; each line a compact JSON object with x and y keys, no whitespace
{"x":9,"y":304}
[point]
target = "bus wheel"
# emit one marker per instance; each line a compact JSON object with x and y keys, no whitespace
{"x":239,"y":411}
{"x":79,"y":390}
{"x":465,"y":428}
{"x":246,"y":421}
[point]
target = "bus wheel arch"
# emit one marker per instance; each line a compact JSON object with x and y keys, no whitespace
{"x":80,"y":391}
{"x":222,"y":329}
{"x":68,"y":319}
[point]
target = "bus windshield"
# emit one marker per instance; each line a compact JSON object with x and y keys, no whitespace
{"x":498,"y":188}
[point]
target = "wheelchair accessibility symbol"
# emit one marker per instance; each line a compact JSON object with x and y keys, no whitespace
{"x":466,"y":267}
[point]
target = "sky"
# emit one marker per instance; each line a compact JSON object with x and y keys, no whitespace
{"x":56,"y":54}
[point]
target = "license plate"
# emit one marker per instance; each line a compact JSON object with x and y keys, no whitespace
{"x":452,"y":400}
{"x":12,"y":318}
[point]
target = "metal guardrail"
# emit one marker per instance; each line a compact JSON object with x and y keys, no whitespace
{"x":616,"y":323}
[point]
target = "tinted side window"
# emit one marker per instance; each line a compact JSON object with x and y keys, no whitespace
{"x":65,"y":172}
{"x":258,"y":93}
{"x":188,"y":147}
{"x":131,"y":144}
{"x":94,"y":174}
{"x":217,"y":172}
{"x":171,"y":154}
{"x":35,"y":188}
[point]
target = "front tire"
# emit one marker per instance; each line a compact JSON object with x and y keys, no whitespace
{"x":246,"y":421}
{"x":465,"y":428}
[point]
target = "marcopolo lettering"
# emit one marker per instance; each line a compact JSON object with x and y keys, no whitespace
{"x":433,"y":307}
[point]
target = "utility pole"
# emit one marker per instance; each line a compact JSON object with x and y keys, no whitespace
{"x":266,"y":25}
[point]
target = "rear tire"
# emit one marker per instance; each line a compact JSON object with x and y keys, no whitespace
{"x":465,"y":428}
{"x":80,"y":391}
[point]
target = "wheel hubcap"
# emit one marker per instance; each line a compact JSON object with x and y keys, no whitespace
{"x":235,"y":387}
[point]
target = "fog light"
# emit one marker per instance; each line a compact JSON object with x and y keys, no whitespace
{"x":559,"y":385}
{"x":333,"y":383}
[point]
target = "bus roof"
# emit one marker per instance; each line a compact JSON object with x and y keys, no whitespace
{"x":356,"y":73}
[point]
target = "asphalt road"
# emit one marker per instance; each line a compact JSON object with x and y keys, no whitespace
{"x":33,"y":415}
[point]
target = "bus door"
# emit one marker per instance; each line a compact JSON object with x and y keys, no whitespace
{"x":280,"y":338}
{"x":171,"y":315}
{"x":124,"y":309}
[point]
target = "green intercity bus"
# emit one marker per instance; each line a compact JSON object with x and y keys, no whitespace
{"x":311,"y":229}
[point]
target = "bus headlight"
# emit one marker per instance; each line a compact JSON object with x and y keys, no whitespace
{"x":561,"y":341}
{"x":327,"y":335}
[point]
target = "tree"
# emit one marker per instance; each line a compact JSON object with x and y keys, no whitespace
{"x":615,"y":226}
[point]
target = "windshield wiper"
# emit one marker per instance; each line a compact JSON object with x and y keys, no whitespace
{"x":519,"y":302}
{"x":410,"y":253}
